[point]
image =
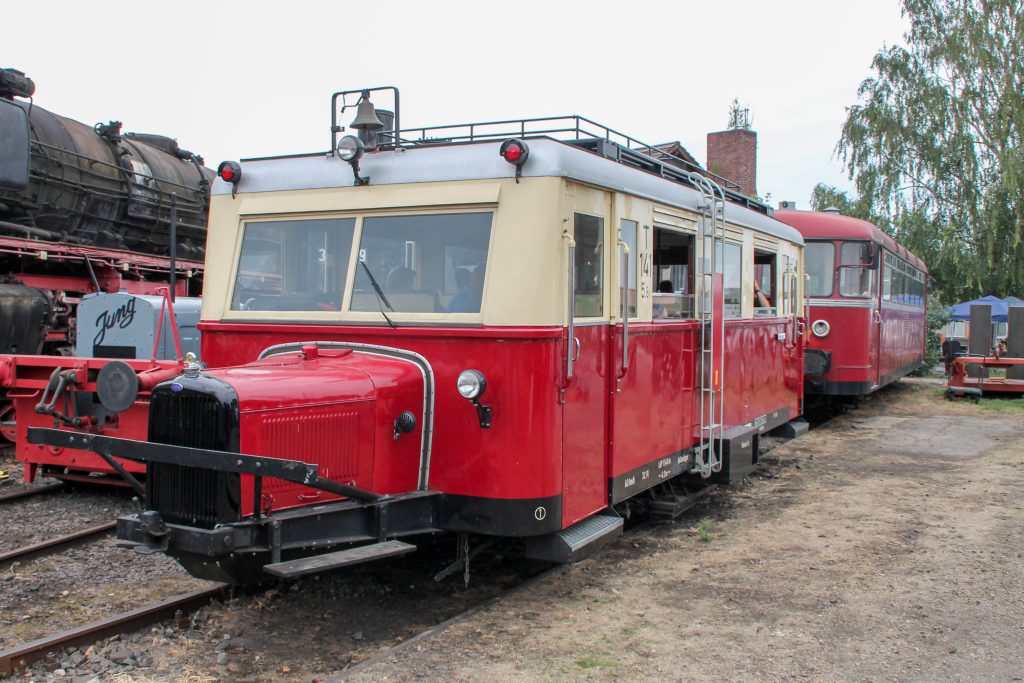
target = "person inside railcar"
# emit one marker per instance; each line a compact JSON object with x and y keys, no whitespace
{"x":471,"y":288}
{"x":760,"y":300}
{"x":764,"y":280}
{"x":401,"y":279}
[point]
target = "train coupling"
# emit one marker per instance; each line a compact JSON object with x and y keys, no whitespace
{"x":153,"y":534}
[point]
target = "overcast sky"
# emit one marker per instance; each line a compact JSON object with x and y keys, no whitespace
{"x":240,"y":79}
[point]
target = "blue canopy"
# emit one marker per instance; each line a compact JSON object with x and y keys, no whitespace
{"x":1000,"y":308}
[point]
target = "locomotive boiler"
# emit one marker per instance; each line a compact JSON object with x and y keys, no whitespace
{"x":87,"y":209}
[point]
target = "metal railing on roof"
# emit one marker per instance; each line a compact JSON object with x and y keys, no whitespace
{"x":576,"y":130}
{"x":572,"y":128}
{"x":580,"y":132}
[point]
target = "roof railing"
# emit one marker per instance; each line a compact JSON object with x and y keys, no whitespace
{"x":574,"y":129}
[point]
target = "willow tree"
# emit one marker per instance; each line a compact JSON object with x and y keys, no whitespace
{"x":934,"y":143}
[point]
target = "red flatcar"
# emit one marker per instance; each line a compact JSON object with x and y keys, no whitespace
{"x":866,"y":305}
{"x":483,"y":330}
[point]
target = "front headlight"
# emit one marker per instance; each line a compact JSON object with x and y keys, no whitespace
{"x":471,"y":384}
{"x":350,"y":148}
{"x":820,"y":328}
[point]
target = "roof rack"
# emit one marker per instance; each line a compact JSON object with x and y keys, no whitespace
{"x":574,"y":130}
{"x":586,"y":134}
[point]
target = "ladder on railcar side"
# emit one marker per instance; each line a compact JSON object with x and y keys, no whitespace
{"x":711,"y":365}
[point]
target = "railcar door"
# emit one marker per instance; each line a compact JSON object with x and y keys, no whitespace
{"x":586,"y":392}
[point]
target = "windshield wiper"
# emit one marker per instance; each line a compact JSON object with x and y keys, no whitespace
{"x":381,"y":299}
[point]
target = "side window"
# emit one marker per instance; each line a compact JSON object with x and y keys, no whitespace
{"x":293,"y":265}
{"x":730,"y":260}
{"x":673,"y":274}
{"x":887,"y":279}
{"x":766,"y":294}
{"x":627,"y":233}
{"x":588,"y":232}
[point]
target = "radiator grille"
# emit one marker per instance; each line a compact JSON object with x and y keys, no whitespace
{"x":190,"y":495}
{"x":327,"y":436}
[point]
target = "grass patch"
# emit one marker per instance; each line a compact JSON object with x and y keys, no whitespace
{"x":988,"y":402}
{"x":596,"y":662}
{"x":704,"y":530}
{"x":1002,"y":404}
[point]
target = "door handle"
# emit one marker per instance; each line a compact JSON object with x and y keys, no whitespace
{"x":576,"y":349}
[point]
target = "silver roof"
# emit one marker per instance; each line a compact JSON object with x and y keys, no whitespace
{"x":481,"y":160}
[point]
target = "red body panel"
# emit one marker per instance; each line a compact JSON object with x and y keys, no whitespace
{"x":653,"y":411}
{"x":902,"y":340}
{"x":585,"y":428}
{"x":545,"y":441}
{"x":337,"y":411}
{"x":851,"y":343}
{"x":518,"y":457}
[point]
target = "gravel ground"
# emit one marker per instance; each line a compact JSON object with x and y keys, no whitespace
{"x":80,"y":585}
{"x":883,"y":546}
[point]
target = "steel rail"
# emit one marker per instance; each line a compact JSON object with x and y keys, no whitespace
{"x":29,"y":492}
{"x":21,"y":656}
{"x":54,"y":545}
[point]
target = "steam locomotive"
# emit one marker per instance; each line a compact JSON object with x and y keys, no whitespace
{"x":86,"y":211}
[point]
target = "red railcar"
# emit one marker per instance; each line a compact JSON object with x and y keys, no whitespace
{"x":866,"y":298}
{"x":466,"y":332}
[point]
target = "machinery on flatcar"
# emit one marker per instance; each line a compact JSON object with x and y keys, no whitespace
{"x":867,"y":297}
{"x":516,"y":329}
{"x":87,"y":214}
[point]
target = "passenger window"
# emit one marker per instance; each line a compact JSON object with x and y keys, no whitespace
{"x":423,"y":264}
{"x":730,"y":260}
{"x":589,"y":266}
{"x":673,"y":275}
{"x":887,"y":280}
{"x":293,"y":265}
{"x":627,"y":233}
{"x":855,"y":278}
{"x":765,"y":276}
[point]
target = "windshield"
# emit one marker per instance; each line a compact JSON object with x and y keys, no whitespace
{"x":424,"y":264}
{"x":820,"y":266}
{"x":856,"y":280}
{"x":293,"y":265}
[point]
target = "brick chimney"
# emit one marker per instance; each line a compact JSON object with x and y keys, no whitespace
{"x":732,"y":154}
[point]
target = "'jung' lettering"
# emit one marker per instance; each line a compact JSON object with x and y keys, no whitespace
{"x":122,"y":317}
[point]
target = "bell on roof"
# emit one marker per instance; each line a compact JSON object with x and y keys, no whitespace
{"x":366,"y":114}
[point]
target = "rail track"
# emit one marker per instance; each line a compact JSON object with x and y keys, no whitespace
{"x":55,"y":545}
{"x":29,"y":492}
{"x":21,"y":656}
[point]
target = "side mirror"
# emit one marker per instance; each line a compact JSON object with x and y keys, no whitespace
{"x":14,"y":146}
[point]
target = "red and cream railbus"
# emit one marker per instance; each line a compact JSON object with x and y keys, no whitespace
{"x":507,"y":329}
{"x":866,"y":297}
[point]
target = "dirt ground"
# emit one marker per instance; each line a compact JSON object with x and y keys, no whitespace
{"x":886,"y":545}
